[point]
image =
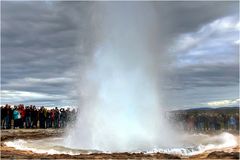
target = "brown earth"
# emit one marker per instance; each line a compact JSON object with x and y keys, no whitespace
{"x":9,"y":152}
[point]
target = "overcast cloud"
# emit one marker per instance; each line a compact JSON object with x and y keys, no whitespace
{"x":42,"y":42}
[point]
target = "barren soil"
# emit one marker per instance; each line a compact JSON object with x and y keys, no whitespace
{"x":9,"y":152}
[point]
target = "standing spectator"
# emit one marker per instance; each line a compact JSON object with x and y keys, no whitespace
{"x":48,"y":119}
{"x":10,"y":116}
{"x":62,"y":117}
{"x":237,"y":121}
{"x":7,"y":117}
{"x":225,"y":121}
{"x":74,"y":114}
{"x":200,"y":122}
{"x":34,"y":117}
{"x":221,"y":121}
{"x":28,"y":117}
{"x":56,"y":118}
{"x":3,"y":115}
{"x":68,"y":115}
{"x":218,"y":122}
{"x":16,"y":117}
{"x":22,"y":113}
{"x":42,"y":117}
{"x":232,"y":122}
{"x":52,"y":117}
{"x":31,"y":113}
{"x":45,"y":113}
{"x":211,"y":123}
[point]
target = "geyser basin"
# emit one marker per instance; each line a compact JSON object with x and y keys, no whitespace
{"x":191,"y":145}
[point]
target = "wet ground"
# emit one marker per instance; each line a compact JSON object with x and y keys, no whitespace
{"x":9,"y":152}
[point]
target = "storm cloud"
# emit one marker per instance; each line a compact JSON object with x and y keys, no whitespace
{"x":42,"y":43}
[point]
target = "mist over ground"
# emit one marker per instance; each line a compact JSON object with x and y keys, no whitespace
{"x":119,"y":94}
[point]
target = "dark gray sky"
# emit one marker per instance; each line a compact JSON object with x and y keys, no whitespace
{"x":41,"y":44}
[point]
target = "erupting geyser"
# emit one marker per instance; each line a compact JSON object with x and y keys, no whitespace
{"x":123,"y":55}
{"x":120,"y":99}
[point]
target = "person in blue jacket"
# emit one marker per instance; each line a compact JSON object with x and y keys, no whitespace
{"x":16,"y":117}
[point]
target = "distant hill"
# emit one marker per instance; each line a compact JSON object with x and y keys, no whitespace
{"x":226,"y":110}
{"x":208,"y":108}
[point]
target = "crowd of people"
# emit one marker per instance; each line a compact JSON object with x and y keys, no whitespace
{"x":42,"y":117}
{"x":203,"y":122}
{"x":35,"y":117}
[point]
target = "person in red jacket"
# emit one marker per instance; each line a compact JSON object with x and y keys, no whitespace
{"x":22,"y":113}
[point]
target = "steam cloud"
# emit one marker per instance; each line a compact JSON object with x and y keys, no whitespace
{"x":119,"y":86}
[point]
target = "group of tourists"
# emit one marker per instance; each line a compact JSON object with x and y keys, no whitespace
{"x":202,"y":122}
{"x":42,"y":117}
{"x":33,"y":117}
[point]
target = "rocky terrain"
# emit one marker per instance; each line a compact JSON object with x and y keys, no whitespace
{"x":9,"y":152}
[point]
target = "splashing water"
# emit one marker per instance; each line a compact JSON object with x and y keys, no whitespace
{"x":193,"y":145}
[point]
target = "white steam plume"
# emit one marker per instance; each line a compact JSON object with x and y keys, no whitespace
{"x":119,"y":88}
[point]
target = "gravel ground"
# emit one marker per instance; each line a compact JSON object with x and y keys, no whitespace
{"x":9,"y":152}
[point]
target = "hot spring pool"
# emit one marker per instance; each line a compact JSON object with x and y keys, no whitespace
{"x":191,"y":144}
